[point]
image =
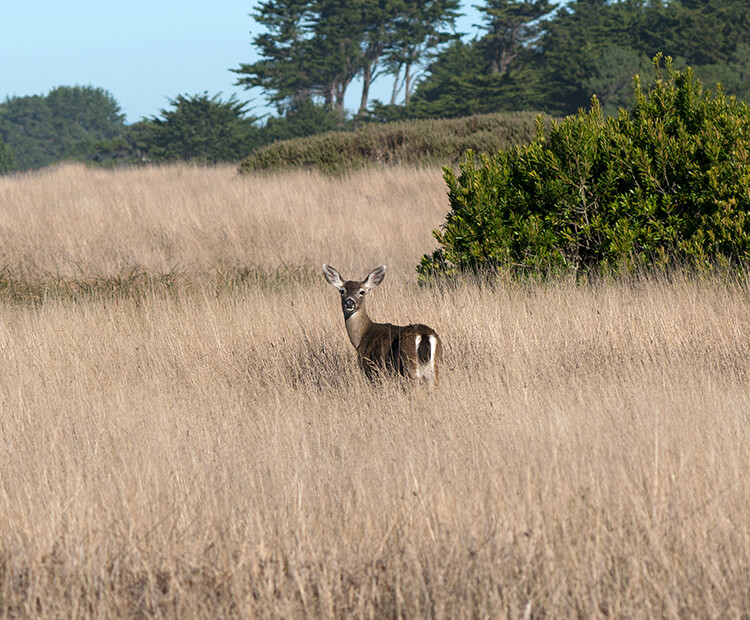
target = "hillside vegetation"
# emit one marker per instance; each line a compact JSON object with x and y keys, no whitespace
{"x":184,"y":431}
{"x":433,"y":142}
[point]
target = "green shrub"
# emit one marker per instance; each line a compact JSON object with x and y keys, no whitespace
{"x":666,"y":183}
{"x":424,"y":142}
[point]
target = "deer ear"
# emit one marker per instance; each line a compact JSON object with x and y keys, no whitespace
{"x":332,"y":277}
{"x":376,"y":277}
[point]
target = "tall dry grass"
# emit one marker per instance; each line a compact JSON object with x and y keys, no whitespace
{"x":186,"y":449}
{"x":82,"y":223}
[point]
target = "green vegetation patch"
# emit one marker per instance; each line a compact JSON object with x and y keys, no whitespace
{"x":66,"y":123}
{"x":420,"y":142}
{"x":665,"y":184}
{"x":16,"y":289}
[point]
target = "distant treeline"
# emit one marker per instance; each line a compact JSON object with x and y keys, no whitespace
{"x":531,"y":55}
{"x":85,"y":123}
{"x":67,"y":123}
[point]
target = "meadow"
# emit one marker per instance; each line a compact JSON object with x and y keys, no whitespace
{"x":184,"y":431}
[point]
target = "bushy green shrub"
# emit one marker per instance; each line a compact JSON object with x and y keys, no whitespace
{"x":665,"y":183}
{"x":429,"y":142}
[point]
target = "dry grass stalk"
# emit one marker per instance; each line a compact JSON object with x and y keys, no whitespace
{"x":216,"y":452}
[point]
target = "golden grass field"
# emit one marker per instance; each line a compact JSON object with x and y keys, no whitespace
{"x":184,"y":431}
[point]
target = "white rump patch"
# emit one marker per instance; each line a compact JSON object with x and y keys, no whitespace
{"x":426,"y":371}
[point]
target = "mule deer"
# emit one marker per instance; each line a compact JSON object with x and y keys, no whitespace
{"x":413,"y":351}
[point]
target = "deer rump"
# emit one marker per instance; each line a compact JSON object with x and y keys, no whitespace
{"x":411,"y":351}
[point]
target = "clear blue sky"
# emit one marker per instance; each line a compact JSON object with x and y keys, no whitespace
{"x":143,"y":52}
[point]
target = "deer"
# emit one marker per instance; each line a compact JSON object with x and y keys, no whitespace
{"x":412,"y":351}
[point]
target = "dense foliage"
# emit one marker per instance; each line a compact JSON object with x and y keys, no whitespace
{"x":64,"y":124}
{"x":7,"y":161}
{"x":305,"y":118}
{"x":585,"y":48}
{"x":664,"y":183}
{"x":199,"y":128}
{"x":314,"y":49}
{"x":435,"y":141}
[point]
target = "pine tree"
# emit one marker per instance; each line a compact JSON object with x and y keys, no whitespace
{"x":283,"y":72}
{"x":421,"y":29}
{"x":199,"y":128}
{"x":313,"y":49}
{"x":511,"y":25}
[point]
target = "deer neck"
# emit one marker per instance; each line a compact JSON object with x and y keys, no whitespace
{"x":357,"y":325}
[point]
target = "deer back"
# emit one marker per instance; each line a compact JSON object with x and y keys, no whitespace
{"x":410,"y":350}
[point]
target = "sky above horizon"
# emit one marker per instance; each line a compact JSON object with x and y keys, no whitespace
{"x":143,"y":53}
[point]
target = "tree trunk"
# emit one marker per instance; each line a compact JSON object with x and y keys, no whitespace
{"x":407,"y":84}
{"x":396,"y":88}
{"x":340,"y":91}
{"x":329,"y":96}
{"x":366,"y":81}
{"x":505,"y":59}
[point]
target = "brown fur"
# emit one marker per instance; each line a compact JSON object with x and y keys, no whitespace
{"x":383,"y":347}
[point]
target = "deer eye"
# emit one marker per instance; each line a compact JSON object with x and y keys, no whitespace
{"x":361,"y":292}
{"x":342,"y":293}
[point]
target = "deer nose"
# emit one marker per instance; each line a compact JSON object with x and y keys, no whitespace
{"x":349,"y":304}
